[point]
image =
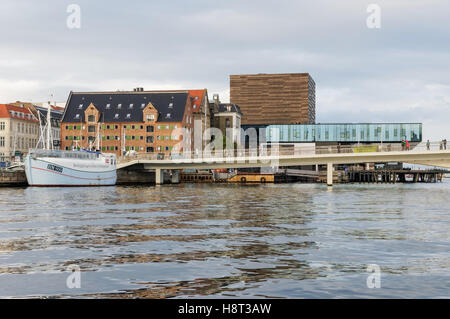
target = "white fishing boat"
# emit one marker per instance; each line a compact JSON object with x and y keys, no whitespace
{"x":54,"y":167}
{"x":70,"y":168}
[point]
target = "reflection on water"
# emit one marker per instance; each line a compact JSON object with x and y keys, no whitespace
{"x":285,"y":240}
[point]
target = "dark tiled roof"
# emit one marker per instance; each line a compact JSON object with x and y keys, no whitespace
{"x":160,"y":100}
{"x":223,"y":107}
{"x":53,"y":113}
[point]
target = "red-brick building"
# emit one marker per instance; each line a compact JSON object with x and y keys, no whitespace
{"x":122,"y":121}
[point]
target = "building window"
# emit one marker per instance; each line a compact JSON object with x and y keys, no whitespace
{"x":227,"y":123}
{"x":91,"y":128}
{"x":150,"y":149}
{"x":91,"y":118}
{"x":2,"y":126}
{"x":2,"y":141}
{"x":150,"y":128}
{"x":150,"y":117}
{"x":149,"y":139}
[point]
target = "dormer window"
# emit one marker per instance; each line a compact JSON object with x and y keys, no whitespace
{"x":131,"y":105}
{"x":108,"y":106}
{"x":142,"y":105}
{"x":119,"y":106}
{"x":116,"y":116}
{"x":80,"y":106}
{"x":128,"y":116}
{"x":170,"y":104}
{"x":194,"y":106}
{"x":77,"y":116}
{"x":168,"y":116}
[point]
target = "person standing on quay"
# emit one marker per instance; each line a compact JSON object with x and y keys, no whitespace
{"x":441,"y":145}
{"x":403,"y":144}
{"x":407,"y":145}
{"x":445,"y":144}
{"x":428,"y":145}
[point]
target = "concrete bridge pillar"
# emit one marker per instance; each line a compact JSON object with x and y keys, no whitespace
{"x":159,"y":176}
{"x":329,"y":174}
{"x":175,"y":178}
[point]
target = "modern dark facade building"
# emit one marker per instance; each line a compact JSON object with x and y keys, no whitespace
{"x":274,"y":98}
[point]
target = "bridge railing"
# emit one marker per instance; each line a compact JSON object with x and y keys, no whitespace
{"x":280,"y":150}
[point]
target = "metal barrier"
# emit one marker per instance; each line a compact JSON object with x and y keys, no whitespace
{"x":280,"y":150}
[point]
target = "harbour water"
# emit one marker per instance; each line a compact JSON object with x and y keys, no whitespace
{"x":221,"y":240}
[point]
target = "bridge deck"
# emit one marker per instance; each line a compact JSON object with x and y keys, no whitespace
{"x":439,"y":158}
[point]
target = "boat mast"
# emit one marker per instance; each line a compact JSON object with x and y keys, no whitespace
{"x":47,"y":142}
{"x":98,"y":136}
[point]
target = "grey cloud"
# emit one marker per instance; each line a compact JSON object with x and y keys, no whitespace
{"x":361,"y":74}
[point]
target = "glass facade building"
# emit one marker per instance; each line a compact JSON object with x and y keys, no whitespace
{"x":342,"y":132}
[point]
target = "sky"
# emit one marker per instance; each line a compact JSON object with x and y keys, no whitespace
{"x":399,"y":72}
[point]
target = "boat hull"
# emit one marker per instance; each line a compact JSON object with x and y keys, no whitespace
{"x":50,"y":172}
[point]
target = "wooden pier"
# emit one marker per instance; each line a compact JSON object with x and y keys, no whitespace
{"x":10,"y":178}
{"x":395,"y":176}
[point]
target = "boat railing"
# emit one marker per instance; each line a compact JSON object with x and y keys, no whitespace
{"x":64,"y":154}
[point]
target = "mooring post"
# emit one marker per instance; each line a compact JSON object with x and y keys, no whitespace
{"x":329,"y":174}
{"x":159,"y":176}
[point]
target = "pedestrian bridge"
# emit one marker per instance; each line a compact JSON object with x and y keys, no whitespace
{"x":279,"y":157}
